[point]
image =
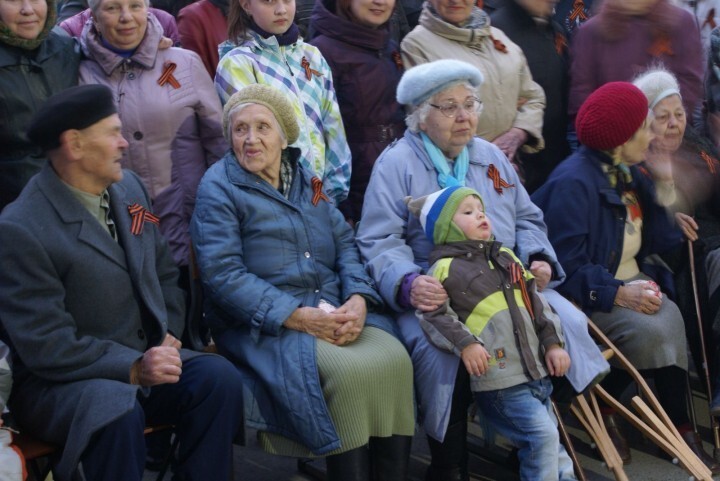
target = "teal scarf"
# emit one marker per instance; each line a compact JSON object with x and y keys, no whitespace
{"x":445,"y":177}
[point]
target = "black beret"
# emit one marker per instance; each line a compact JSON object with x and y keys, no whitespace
{"x":74,"y":108}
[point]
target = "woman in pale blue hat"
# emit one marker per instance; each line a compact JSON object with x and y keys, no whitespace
{"x":439,"y":150}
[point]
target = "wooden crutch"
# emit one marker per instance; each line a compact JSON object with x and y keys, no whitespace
{"x":667,"y":435}
{"x":693,"y":280}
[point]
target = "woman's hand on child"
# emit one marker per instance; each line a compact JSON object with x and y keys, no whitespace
{"x":475,"y":358}
{"x":427,"y":293}
{"x":557,"y":361}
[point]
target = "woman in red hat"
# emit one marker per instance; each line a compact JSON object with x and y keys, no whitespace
{"x":606,"y":222}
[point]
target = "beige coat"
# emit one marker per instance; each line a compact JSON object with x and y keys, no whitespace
{"x":508,"y":81}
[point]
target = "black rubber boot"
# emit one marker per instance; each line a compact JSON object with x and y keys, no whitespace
{"x":449,"y":458}
{"x":389,"y":458}
{"x":351,"y":465}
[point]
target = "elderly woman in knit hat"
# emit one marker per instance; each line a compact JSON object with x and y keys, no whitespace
{"x":439,"y":150}
{"x":290,"y":304}
{"x":683,"y":158}
{"x":607,"y":226}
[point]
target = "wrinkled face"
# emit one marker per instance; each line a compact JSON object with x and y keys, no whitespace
{"x":122,"y":23}
{"x":24,"y":18}
{"x":634,"y":150}
{"x":102,"y":150}
{"x":273,"y":16}
{"x":539,"y":8}
{"x":257,"y":141}
{"x":471,"y":219}
{"x":669,"y":122}
{"x":451,"y":134}
{"x":453,"y":11}
{"x":372,"y":13}
{"x":634,"y":7}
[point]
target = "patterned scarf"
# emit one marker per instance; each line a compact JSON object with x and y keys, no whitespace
{"x":9,"y":38}
{"x":617,"y":172}
{"x":445,"y":177}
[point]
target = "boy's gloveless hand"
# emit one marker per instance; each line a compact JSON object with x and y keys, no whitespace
{"x":475,"y":358}
{"x":557,"y":361}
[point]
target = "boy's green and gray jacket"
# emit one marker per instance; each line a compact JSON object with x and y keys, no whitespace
{"x":486,"y":307}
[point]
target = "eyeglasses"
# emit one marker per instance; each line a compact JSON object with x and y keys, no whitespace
{"x":450,"y":109}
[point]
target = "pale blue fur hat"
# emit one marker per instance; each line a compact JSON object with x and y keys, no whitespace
{"x":422,"y":82}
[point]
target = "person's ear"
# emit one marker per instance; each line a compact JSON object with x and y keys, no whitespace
{"x":71,"y":143}
{"x":284,"y":144}
{"x":245,"y":4}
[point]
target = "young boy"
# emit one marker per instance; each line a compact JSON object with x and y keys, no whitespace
{"x":499,"y":326}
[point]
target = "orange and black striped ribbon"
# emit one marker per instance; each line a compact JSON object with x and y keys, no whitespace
{"x":661,"y":46}
{"x":710,"y":20}
{"x":318,"y":193}
{"x":167,"y":76}
{"x":517,"y":277}
{"x":711,"y":162}
{"x":499,"y":46}
{"x":309,"y":72}
{"x":578,"y":11}
{"x":498,"y":182}
{"x":140,"y":215}
{"x":397,"y":58}
{"x":560,"y":43}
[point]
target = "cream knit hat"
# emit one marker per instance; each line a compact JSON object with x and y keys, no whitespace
{"x":271,"y":98}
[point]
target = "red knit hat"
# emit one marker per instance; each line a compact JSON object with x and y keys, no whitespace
{"x":611,"y":115}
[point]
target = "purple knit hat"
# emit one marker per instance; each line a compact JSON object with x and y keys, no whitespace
{"x":611,"y":115}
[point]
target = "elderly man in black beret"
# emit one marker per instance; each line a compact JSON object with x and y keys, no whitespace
{"x":90,"y":305}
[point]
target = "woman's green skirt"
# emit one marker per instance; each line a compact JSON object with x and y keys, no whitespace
{"x":368,"y":388}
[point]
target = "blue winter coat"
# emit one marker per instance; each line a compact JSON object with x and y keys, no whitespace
{"x":261,"y":256}
{"x":585,"y":217}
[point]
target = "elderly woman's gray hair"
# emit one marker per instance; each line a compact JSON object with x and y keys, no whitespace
{"x":270,"y":97}
{"x":95,"y":5}
{"x":657,"y":84}
{"x":420,"y":113}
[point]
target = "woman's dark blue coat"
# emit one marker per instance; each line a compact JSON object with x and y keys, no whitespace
{"x":585,"y":217}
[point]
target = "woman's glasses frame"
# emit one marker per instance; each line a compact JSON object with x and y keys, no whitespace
{"x":450,"y":110}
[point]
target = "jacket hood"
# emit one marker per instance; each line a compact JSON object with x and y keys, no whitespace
{"x":325,"y":22}
{"x":486,"y":249}
{"x":471,"y":36}
{"x":145,"y":54}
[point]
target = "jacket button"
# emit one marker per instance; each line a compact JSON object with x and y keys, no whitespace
{"x":138,"y":135}
{"x":141,"y":334}
{"x":307,"y":255}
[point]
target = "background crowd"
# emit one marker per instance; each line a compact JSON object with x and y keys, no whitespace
{"x":274,"y":145}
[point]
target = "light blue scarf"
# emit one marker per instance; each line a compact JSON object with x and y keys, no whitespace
{"x":445,"y":177}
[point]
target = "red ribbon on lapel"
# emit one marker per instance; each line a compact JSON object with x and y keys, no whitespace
{"x":318,"y":193}
{"x":309,"y":72}
{"x":140,"y":215}
{"x":167,"y":76}
{"x":498,"y":182}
